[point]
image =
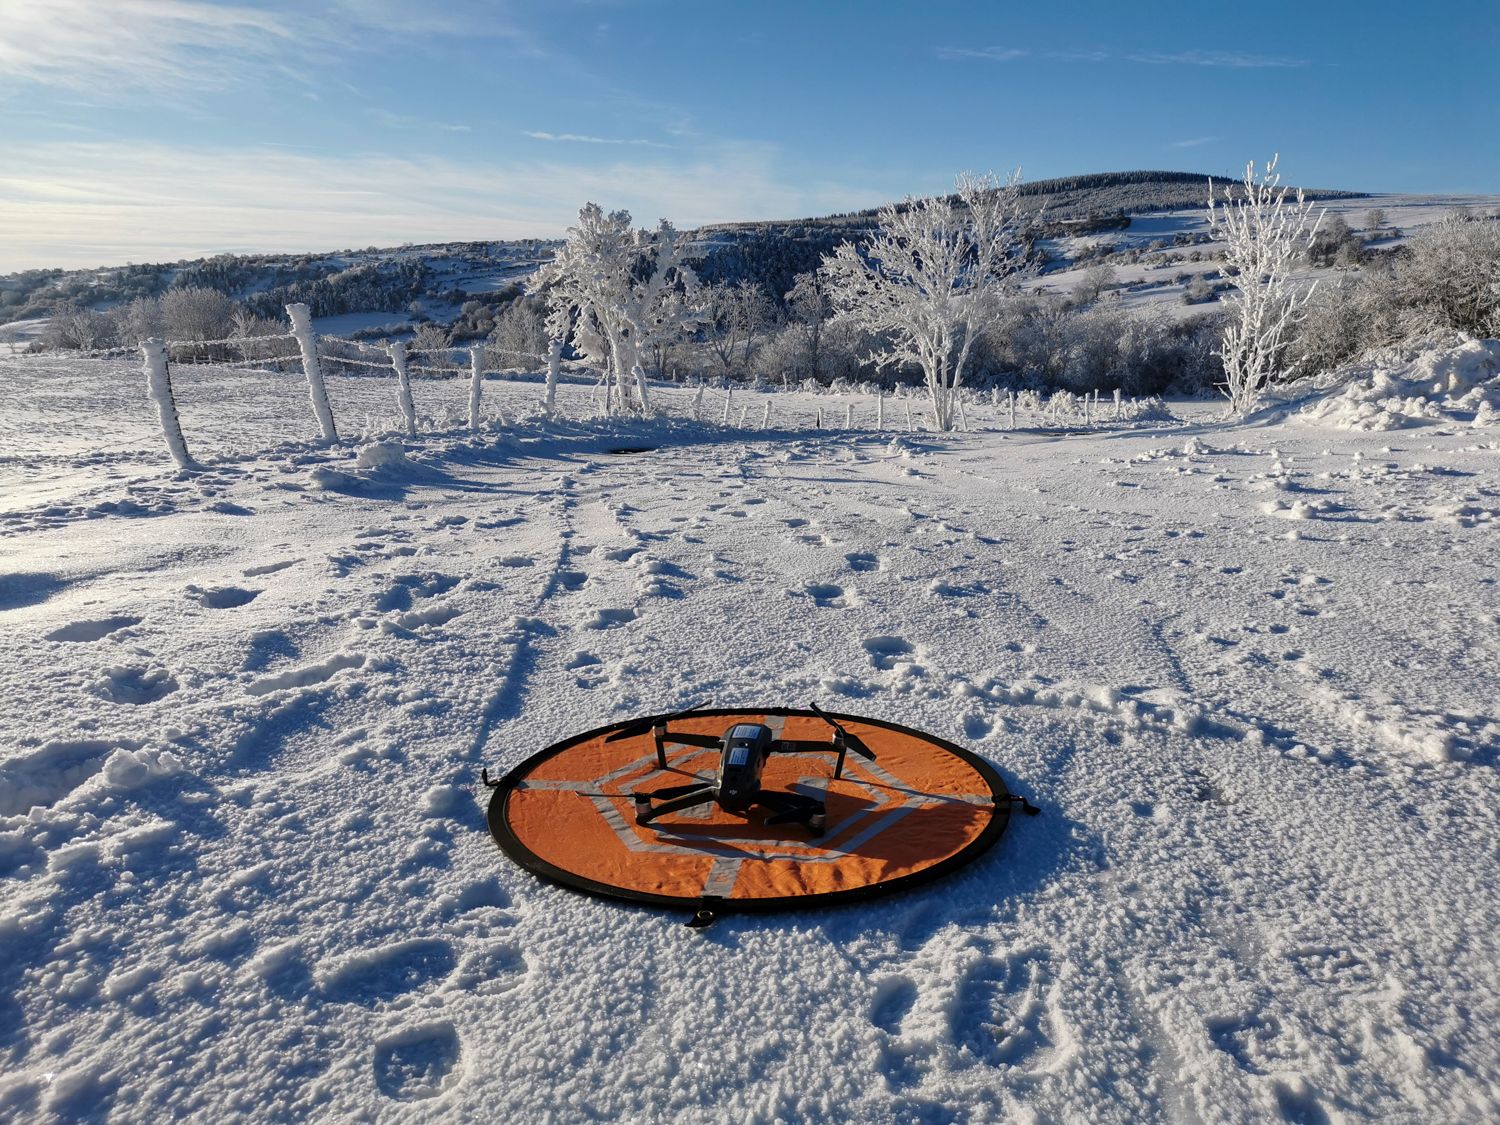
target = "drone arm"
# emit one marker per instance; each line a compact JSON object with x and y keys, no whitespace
{"x":645,"y":813}
{"x":707,"y":740}
{"x":798,"y":746}
{"x":674,"y":791}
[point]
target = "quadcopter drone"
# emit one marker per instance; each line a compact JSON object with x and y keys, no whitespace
{"x":736,"y":788}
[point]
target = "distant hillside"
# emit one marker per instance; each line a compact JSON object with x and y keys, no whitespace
{"x":772,"y":253}
{"x":415,"y":282}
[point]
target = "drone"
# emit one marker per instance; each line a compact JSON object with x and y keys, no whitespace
{"x":736,"y":788}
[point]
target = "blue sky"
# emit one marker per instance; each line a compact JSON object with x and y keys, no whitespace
{"x":148,"y":130}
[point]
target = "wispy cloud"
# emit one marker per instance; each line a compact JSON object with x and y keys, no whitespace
{"x":156,"y":44}
{"x":1233,"y":59}
{"x":1193,"y":142}
{"x":82,"y":204}
{"x":114,"y":47}
{"x":583,"y":138}
{"x":989,"y":54}
{"x":1229,"y":59}
{"x":407,"y":121}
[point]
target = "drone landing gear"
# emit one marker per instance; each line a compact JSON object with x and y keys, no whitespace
{"x":785,"y":808}
{"x":793,"y":808}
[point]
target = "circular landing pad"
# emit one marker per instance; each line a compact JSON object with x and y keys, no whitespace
{"x":921,"y":808}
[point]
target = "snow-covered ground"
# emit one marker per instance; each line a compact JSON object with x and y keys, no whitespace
{"x":1247,"y":671}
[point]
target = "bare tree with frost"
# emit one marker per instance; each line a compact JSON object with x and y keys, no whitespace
{"x":621,"y":293}
{"x":929,"y":278}
{"x":1265,"y":240}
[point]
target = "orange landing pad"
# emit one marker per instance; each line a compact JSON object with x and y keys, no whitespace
{"x":923,"y":807}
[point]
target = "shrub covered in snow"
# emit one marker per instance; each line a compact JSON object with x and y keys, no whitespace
{"x":1447,"y":379}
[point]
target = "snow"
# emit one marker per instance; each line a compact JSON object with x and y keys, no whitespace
{"x":1443,"y":382}
{"x":244,"y":869}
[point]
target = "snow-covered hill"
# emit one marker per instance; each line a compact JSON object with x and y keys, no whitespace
{"x":1247,"y":672}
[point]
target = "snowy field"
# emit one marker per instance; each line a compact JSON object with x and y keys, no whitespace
{"x":1247,"y":672}
{"x":1152,"y":284}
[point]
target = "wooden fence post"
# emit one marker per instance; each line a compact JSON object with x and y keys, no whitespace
{"x":159,"y":387}
{"x":397,"y":352}
{"x":307,"y":340}
{"x":554,"y":368}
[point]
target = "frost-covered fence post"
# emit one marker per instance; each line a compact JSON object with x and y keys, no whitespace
{"x":848,"y":416}
{"x":1117,"y":404}
{"x":554,"y":367}
{"x":1087,"y":421}
{"x":958,"y":401}
{"x":724,"y":414}
{"x":476,"y":384}
{"x":910,"y":425}
{"x":765,"y":415}
{"x":820,"y":417}
{"x":880,"y":410}
{"x":307,"y":341}
{"x":397,"y":352}
{"x":1011,"y":402}
{"x":698,"y":404}
{"x":159,"y":387}
{"x":744,"y":410}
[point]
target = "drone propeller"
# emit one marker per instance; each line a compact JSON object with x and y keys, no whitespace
{"x":850,"y":740}
{"x":640,"y":726}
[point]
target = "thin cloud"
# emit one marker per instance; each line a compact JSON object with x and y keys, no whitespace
{"x":110,"y":47}
{"x":407,"y":121}
{"x":1231,"y":59}
{"x":1235,"y":60}
{"x":989,"y":54}
{"x":585,"y":139}
{"x":1193,"y":142}
{"x":155,"y":44}
{"x":88,"y":204}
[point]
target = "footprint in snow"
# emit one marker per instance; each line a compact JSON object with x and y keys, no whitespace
{"x":92,"y":630}
{"x":610,"y":618}
{"x":1001,"y":1014}
{"x":886,"y":651}
{"x":862,"y":561}
{"x":134,"y":684}
{"x":387,"y":971}
{"x":418,"y":1062}
{"x":223,"y":597}
{"x":825,"y":595}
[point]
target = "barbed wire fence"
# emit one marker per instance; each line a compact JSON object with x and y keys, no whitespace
{"x":303,"y":351}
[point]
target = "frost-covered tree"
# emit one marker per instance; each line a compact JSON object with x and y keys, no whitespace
{"x":1265,"y":239}
{"x":929,"y":277}
{"x":621,"y":293}
{"x":736,"y":316}
{"x":194,"y":313}
{"x":808,"y":309}
{"x":76,"y":326}
{"x":139,"y":320}
{"x":520,"y":331}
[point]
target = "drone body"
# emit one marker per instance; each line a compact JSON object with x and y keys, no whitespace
{"x":743,"y":750}
{"x":741,"y":763}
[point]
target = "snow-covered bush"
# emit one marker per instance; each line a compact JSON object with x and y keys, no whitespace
{"x":1447,"y":378}
{"x":930,"y":277}
{"x":196,"y":313}
{"x":1264,"y":239}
